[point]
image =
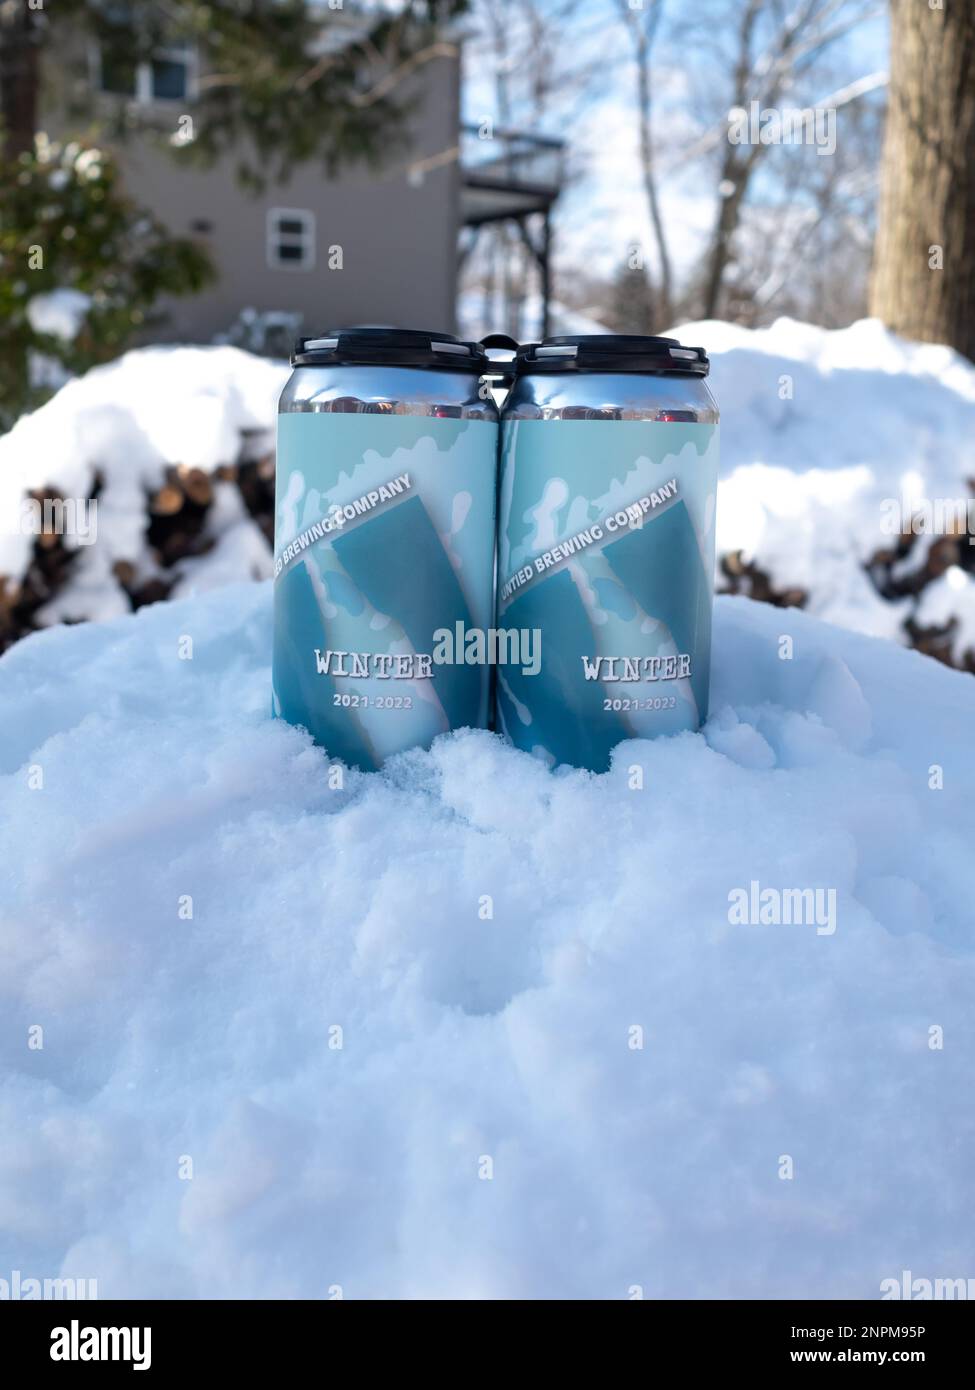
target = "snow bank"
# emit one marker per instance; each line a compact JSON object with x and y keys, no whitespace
{"x":126,"y":422}
{"x":59,"y":313}
{"x":191,"y":1126}
{"x":950,"y":603}
{"x":819,"y":430}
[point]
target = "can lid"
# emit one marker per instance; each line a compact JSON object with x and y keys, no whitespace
{"x":389,"y":347}
{"x":611,"y":352}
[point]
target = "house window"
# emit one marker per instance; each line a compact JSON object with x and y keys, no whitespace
{"x":290,"y":239}
{"x":169,"y":75}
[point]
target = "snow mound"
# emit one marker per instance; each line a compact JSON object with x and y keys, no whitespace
{"x":124,"y":423}
{"x":821,"y":432}
{"x":396,"y":1048}
{"x":60,"y":313}
{"x":820,"y":429}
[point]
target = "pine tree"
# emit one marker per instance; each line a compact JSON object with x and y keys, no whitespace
{"x":74,"y":246}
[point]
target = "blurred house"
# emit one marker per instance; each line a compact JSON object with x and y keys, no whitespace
{"x":370,"y":246}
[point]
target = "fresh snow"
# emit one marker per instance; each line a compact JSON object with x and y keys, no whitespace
{"x":59,"y":313}
{"x":867,"y":418}
{"x":191,"y":1129}
{"x":951,"y":598}
{"x":820,"y":429}
{"x":126,"y":422}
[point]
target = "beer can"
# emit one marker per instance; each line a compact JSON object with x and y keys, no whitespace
{"x":385,"y":493}
{"x":609,"y":466}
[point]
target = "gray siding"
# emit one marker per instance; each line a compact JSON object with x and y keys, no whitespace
{"x":398,"y":240}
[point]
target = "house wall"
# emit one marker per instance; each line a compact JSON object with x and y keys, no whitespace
{"x":398,"y":239}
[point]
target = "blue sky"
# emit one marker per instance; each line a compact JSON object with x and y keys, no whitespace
{"x":604,"y":209}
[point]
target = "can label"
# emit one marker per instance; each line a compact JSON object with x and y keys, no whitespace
{"x":384,"y":539}
{"x":606,"y":547}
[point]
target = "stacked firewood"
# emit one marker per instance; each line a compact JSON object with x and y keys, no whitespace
{"x":745,"y":577}
{"x":49,"y":569}
{"x":905,"y":569}
{"x":894,"y":576}
{"x":175,"y":530}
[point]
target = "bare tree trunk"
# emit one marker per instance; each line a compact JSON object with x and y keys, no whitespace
{"x":735,"y":171}
{"x":927,"y":207}
{"x":735,"y":174}
{"x":643,"y":34}
{"x":19,"y":79}
{"x":666,"y":294}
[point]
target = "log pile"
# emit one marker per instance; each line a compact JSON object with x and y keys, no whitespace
{"x":50,"y":567}
{"x":745,"y":577}
{"x":176,"y":517}
{"x":905,"y":569}
{"x":893,"y":575}
{"x":176,"y":529}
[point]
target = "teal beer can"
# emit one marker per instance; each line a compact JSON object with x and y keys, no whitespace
{"x":609,"y":468}
{"x":384,"y":539}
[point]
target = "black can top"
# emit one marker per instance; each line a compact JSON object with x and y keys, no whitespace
{"x":611,"y":352}
{"x":389,"y":347}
